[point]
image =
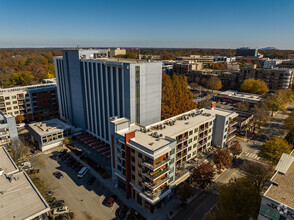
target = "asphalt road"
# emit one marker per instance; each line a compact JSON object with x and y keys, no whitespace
{"x":206,"y":200}
{"x":83,"y":200}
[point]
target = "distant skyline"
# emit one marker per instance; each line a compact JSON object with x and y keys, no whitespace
{"x":130,"y":23}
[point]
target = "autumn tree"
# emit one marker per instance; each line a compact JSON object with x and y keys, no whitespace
{"x":176,"y":97}
{"x":276,"y":102}
{"x":66,"y":141}
{"x":260,"y":116}
{"x":255,"y":86}
{"x":19,"y":119}
{"x":259,"y":174}
{"x":236,"y":148}
{"x":203,"y":175}
{"x":273,"y":149}
{"x":289,"y":124}
{"x":238,"y":199}
{"x":223,"y":158}
{"x":243,"y":106}
{"x":184,"y":191}
{"x":213,"y":83}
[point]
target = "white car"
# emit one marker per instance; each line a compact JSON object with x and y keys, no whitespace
{"x":60,"y":210}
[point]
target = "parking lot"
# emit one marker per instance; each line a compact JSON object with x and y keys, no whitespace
{"x":84,"y":200}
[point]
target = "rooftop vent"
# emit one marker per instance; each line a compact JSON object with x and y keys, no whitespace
{"x":151,"y":143}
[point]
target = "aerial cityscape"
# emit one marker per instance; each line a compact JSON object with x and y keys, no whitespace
{"x":158,"y":110}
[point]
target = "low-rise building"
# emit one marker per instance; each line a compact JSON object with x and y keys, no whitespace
{"x":35,"y":102}
{"x":20,"y":198}
{"x":117,"y":51}
{"x":278,"y":200}
{"x":199,"y":59}
{"x":149,"y":162}
{"x":49,"y":134}
{"x":8,"y":131}
{"x":236,"y":96}
{"x":185,"y":67}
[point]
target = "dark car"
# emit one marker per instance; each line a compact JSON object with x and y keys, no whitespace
{"x":91,"y":181}
{"x":79,"y":168}
{"x":58,"y":175}
{"x":122,"y":212}
{"x":112,"y":199}
{"x":59,"y":203}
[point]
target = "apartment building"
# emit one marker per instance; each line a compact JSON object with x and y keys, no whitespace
{"x":116,"y":51}
{"x":276,"y":78}
{"x":148,"y":162}
{"x":90,"y":90}
{"x":36,"y":102}
{"x":8,"y":131}
{"x":246,"y":52}
{"x":287,"y":64}
{"x":185,"y":67}
{"x":199,"y":59}
{"x":277,"y":201}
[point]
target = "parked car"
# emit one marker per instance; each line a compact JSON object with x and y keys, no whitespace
{"x":83,"y":172}
{"x":58,"y":175}
{"x":91,"y":181}
{"x":112,"y":199}
{"x":33,"y":171}
{"x":59,"y":203}
{"x":60,"y":210}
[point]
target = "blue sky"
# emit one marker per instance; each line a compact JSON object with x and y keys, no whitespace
{"x":152,"y":23}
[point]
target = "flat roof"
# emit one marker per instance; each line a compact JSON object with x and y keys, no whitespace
{"x":25,"y":88}
{"x":121,"y":60}
{"x":171,"y":127}
{"x":6,"y":162}
{"x":20,"y":199}
{"x":240,"y":96}
{"x":49,"y":126}
{"x":220,"y":111}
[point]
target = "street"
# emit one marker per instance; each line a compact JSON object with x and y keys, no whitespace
{"x":85,"y":201}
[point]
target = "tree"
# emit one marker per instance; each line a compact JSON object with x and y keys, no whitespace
{"x":255,"y":86}
{"x":275,"y":102}
{"x":184,"y":191}
{"x":236,"y":148}
{"x":66,"y":141}
{"x":238,"y":199}
{"x":214,"y":83}
{"x":289,"y":125}
{"x":19,"y":119}
{"x":273,"y":149}
{"x":203,"y":175}
{"x":243,"y":106}
{"x":259,"y":174}
{"x":223,"y":158}
{"x":260,"y":116}
{"x":168,"y":103}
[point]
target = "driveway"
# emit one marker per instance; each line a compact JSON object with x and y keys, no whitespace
{"x":85,"y":201}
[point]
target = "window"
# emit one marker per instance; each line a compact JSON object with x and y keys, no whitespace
{"x":194,"y":146}
{"x":140,"y":175}
{"x":171,"y":170}
{"x":133,"y":159}
{"x":196,"y":129}
{"x":172,"y":151}
{"x":133,"y":177}
{"x":189,"y":156}
{"x":14,"y":102}
{"x":225,"y":137}
{"x":8,"y":108}
{"x":172,"y":161}
{"x":195,"y":138}
{"x":210,"y":130}
{"x":189,"y":148}
{"x":227,"y":122}
{"x":8,"y":103}
{"x":139,"y":165}
{"x":133,"y":168}
{"x":210,"y":123}
{"x":226,"y":129}
{"x":7,"y":98}
{"x":194,"y":153}
{"x":119,"y":168}
{"x":190,"y":140}
{"x":133,"y":151}
{"x":15,"y":107}
{"x":190,"y":132}
{"x":137,"y":84}
{"x":139,"y":155}
{"x":13,"y":97}
{"x":171,"y":179}
{"x":209,"y":137}
{"x":28,"y":105}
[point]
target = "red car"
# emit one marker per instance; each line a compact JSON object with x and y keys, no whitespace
{"x":112,"y":199}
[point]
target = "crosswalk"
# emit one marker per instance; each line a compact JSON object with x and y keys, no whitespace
{"x":252,"y":156}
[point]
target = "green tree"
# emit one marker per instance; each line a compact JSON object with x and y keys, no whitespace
{"x":223,"y":158}
{"x":213,"y":83}
{"x":238,"y":199}
{"x":273,"y":149}
{"x":255,"y":86}
{"x":259,"y":174}
{"x":203,"y":175}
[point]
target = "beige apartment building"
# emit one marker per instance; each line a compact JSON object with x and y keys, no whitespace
{"x":148,"y":162}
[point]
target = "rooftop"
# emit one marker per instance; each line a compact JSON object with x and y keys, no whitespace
{"x":6,"y":162}
{"x":19,"y":198}
{"x":240,"y":96}
{"x":123,"y":60}
{"x":50,"y":126}
{"x":25,"y":88}
{"x":162,"y":133}
{"x":282,"y":189}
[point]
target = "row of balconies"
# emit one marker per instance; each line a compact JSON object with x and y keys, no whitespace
{"x":155,"y":176}
{"x":182,"y":139}
{"x":147,"y":163}
{"x":152,"y":185}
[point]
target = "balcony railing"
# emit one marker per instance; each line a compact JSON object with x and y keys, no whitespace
{"x":155,"y":166}
{"x":156,"y":175}
{"x":232,"y":130}
{"x":182,"y":139}
{"x":233,"y":123}
{"x":152,"y":195}
{"x":230,"y":137}
{"x":153,"y":186}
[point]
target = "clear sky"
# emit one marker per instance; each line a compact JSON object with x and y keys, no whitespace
{"x":151,"y":23}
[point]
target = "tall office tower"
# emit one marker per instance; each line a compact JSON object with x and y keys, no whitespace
{"x":92,"y":88}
